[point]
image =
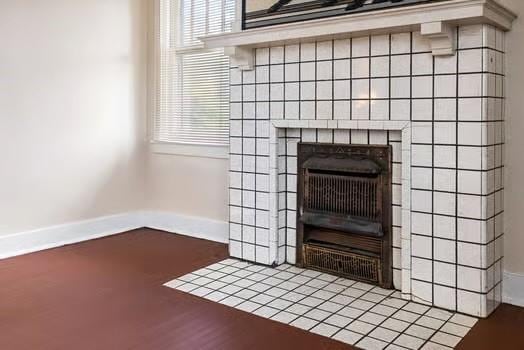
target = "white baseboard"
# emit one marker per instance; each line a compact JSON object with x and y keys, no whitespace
{"x":197,"y":227}
{"x":56,"y":236}
{"x":513,"y":289}
{"x":218,"y":231}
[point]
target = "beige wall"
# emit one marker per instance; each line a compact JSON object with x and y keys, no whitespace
{"x":72,"y":106}
{"x":514,"y":191}
{"x":192,"y":186}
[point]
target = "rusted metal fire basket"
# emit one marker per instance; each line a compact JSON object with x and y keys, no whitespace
{"x":344,"y":211}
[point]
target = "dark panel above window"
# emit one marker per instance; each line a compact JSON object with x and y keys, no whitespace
{"x":263,"y":13}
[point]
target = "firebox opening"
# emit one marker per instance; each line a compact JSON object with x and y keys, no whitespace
{"x":344,"y":216}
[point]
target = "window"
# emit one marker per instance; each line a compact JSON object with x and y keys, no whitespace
{"x":192,"y":85}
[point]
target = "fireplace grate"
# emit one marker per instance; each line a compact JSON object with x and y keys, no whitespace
{"x":344,"y":211}
{"x":343,"y":194}
{"x":355,"y":266}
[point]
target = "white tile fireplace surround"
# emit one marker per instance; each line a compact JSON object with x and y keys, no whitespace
{"x":443,"y":117}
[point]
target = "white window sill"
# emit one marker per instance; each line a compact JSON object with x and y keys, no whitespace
{"x":204,"y":151}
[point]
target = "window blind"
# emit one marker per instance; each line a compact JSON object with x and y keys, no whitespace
{"x":192,"y":93}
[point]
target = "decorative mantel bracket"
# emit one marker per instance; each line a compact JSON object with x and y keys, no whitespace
{"x":242,"y":57}
{"x":441,"y":37}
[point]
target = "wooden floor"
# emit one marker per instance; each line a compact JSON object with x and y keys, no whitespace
{"x":108,"y":294}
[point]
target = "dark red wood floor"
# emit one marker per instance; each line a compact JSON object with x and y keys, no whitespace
{"x":108,"y":294}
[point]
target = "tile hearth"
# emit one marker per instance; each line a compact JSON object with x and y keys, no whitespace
{"x":352,"y":312}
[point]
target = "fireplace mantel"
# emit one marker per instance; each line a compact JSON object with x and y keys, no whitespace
{"x":434,"y":20}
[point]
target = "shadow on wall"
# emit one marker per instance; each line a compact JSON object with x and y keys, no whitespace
{"x":188,"y":185}
{"x":514,"y":166}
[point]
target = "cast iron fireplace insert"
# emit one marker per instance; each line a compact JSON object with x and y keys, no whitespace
{"x":344,"y":211}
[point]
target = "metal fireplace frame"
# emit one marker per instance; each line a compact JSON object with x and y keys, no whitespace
{"x":350,"y":237}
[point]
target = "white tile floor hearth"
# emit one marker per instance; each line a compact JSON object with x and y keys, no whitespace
{"x":352,"y":312}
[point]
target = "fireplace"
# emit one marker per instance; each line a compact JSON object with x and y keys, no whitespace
{"x":443,"y":117}
{"x":344,"y":210}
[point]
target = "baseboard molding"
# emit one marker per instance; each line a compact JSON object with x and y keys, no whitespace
{"x":197,"y":227}
{"x":218,"y":231}
{"x":513,"y":289}
{"x":60,"y":235}
{"x":75,"y":232}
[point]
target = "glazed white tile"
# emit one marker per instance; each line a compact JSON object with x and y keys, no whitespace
{"x":419,"y":331}
{"x":434,"y":346}
{"x":396,"y":325}
{"x":371,"y":344}
{"x":347,"y":336}
{"x":360,"y":327}
{"x":325,"y":329}
{"x":384,"y":334}
{"x":408,"y":341}
{"x":284,"y":317}
{"x":304,"y":323}
{"x":445,"y":339}
{"x":352,"y":312}
{"x":339,"y":320}
{"x":400,"y":43}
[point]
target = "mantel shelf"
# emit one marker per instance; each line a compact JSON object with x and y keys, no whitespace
{"x":434,"y":20}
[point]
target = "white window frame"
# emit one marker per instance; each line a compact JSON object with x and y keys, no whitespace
{"x":176,"y":148}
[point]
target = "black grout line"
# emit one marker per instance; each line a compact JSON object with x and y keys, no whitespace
{"x":241,"y":244}
{"x":432,"y":183}
{"x":369,"y":82}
